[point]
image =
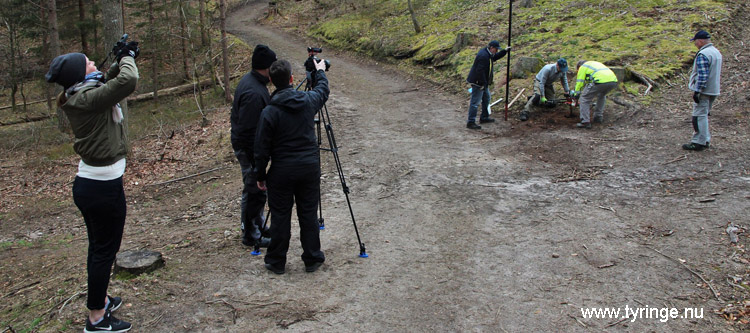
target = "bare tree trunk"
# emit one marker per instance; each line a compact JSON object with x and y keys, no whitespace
{"x":224,"y":51}
{"x":183,"y":40}
{"x":54,"y":48}
{"x":111,"y":22}
{"x":49,"y":89}
{"x":84,"y":32}
{"x":154,"y":58}
{"x":414,"y":18}
{"x":204,"y":29}
{"x":112,"y":26}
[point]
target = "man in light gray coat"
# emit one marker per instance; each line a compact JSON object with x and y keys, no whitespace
{"x":705,"y":83}
{"x":543,"y":89}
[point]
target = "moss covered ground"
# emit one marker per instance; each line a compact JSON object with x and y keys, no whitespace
{"x":649,"y":36}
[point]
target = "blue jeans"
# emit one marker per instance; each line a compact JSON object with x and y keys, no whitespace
{"x":479,"y":94}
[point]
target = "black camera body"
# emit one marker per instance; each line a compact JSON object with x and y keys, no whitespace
{"x":311,"y":60}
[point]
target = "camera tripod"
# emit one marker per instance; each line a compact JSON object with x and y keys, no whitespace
{"x":323,"y":120}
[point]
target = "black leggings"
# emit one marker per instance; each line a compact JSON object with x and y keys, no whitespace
{"x":102,"y":204}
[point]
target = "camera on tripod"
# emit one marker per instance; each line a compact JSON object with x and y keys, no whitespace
{"x":309,"y":64}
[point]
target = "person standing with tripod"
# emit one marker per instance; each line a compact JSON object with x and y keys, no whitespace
{"x":286,"y":137}
{"x":91,"y":100}
{"x":250,"y":97}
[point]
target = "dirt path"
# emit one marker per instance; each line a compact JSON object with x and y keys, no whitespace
{"x":512,"y":228}
{"x":483,"y":230}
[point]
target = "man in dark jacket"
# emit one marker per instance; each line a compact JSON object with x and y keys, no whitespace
{"x":286,"y":137}
{"x":480,"y":78}
{"x":250,"y":97}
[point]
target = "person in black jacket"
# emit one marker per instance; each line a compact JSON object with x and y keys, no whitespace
{"x":286,"y":137}
{"x":250,"y":97}
{"x":480,"y":78}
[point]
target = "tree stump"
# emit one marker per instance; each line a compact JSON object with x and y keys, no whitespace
{"x":272,"y":10}
{"x":463,"y":39}
{"x":138,"y":262}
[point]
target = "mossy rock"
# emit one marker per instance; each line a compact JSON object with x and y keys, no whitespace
{"x":525,"y":66}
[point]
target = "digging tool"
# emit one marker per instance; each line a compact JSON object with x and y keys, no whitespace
{"x":572,"y":102}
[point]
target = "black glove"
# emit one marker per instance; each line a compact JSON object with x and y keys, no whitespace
{"x":697,"y":97}
{"x":130,"y":49}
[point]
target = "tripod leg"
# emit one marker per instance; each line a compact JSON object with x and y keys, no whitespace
{"x":321,"y":220}
{"x":335,"y":150}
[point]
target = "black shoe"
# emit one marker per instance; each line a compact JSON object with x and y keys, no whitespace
{"x":584,"y":125}
{"x":314,"y":267}
{"x":488,"y":120}
{"x":107,"y":324}
{"x":524,"y":116}
{"x":598,"y":120}
{"x":114,"y":303}
{"x":274,"y":269}
{"x":473,"y":126}
{"x":708,"y":144}
{"x":693,"y":146}
{"x":264,"y":241}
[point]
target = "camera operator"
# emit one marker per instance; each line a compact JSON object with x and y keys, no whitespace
{"x":90,"y":100}
{"x":250,"y":97}
{"x":286,"y":137}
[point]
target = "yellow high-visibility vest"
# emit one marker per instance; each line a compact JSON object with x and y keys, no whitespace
{"x":593,"y":71}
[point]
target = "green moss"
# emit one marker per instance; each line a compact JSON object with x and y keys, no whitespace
{"x":650,"y":36}
{"x":433,"y":45}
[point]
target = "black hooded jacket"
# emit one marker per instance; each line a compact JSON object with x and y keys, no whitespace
{"x":250,"y":97}
{"x":286,"y":129}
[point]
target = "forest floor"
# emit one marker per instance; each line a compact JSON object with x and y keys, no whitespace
{"x":515,"y":227}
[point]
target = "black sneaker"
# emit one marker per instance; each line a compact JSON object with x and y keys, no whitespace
{"x":264,"y":241}
{"x":584,"y":125}
{"x":274,"y":269}
{"x":313,"y":267}
{"x":114,"y":303}
{"x":488,"y":120}
{"x":708,"y":144}
{"x":108,"y":324}
{"x":693,"y":146}
{"x":598,"y":120}
{"x":524,"y":116}
{"x":473,"y":126}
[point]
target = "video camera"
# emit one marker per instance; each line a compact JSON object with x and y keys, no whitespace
{"x":309,"y":64}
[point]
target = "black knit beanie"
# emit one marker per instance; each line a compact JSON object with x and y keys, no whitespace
{"x":67,"y":69}
{"x":263,"y":57}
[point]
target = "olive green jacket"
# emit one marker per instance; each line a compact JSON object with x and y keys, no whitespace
{"x":99,"y":139}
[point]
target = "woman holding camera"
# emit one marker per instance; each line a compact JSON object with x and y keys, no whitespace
{"x":91,"y":102}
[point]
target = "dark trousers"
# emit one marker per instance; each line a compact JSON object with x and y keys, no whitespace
{"x":253,"y":199}
{"x":287,"y":186}
{"x":102,"y":204}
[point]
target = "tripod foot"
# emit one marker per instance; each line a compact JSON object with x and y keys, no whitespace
{"x":256,"y":252}
{"x":363,"y":255}
{"x":322,"y":224}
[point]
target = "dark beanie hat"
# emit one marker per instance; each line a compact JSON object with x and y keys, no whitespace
{"x":67,"y":69}
{"x":263,"y":57}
